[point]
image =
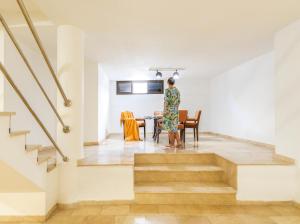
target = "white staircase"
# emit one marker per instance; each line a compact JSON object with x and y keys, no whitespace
{"x":29,"y":176}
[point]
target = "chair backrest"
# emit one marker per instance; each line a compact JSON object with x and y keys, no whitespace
{"x":197,"y":116}
{"x":183,"y":114}
{"x":126,"y":115}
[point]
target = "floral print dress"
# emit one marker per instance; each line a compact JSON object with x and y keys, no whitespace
{"x":172,"y":101}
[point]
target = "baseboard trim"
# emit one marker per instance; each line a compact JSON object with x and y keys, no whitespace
{"x":265,"y":202}
{"x":22,"y":219}
{"x":51,"y":211}
{"x":266,"y":145}
{"x":95,"y":143}
{"x":132,"y":202}
{"x":84,"y":203}
{"x":29,"y":218}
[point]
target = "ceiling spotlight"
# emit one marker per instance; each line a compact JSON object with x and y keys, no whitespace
{"x":176,"y":75}
{"x":158,"y":74}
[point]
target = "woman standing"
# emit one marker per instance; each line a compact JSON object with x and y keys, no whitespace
{"x":170,"y":117}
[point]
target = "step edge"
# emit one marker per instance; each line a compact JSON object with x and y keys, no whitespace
{"x":4,"y":113}
{"x":18,"y":133}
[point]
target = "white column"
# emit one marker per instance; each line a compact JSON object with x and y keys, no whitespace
{"x":2,"y":43}
{"x":70,"y":68}
{"x":287,"y":92}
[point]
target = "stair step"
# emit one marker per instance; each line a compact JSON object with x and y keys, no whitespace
{"x":178,"y":172}
{"x":7,"y":113}
{"x":177,"y":168}
{"x":18,"y":133}
{"x":174,"y":158}
{"x":184,"y":193}
{"x":43,"y":159}
{"x":47,"y":149}
{"x":46,"y":153}
{"x":51,"y":167}
{"x":184,"y":187}
{"x":29,"y":148}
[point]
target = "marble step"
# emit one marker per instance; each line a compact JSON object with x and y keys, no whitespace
{"x":184,"y":193}
{"x":178,"y":172}
{"x":7,"y":113}
{"x":174,"y":158}
{"x":18,"y":133}
{"x":46,"y":153}
{"x":51,"y":167}
{"x":184,"y":187}
{"x":30,"y":148}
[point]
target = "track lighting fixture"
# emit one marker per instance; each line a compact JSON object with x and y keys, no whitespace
{"x":176,"y":75}
{"x":158,"y":74}
{"x":159,"y":71}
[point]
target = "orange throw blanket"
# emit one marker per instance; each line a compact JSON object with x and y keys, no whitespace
{"x":131,"y":127}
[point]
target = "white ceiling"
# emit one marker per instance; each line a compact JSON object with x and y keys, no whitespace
{"x":129,"y":36}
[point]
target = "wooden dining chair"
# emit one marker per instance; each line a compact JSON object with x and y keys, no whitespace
{"x":141,"y":122}
{"x":194,"y":124}
{"x":156,"y":117}
{"x":183,"y":114}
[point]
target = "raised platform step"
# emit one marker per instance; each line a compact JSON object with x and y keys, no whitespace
{"x":178,"y":172}
{"x":174,"y":158}
{"x":177,"y":167}
{"x":184,"y":193}
{"x":184,"y":187}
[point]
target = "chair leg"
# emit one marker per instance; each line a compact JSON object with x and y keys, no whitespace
{"x":144,"y":132}
{"x":157,"y":136}
{"x":123,"y":132}
{"x":154,"y":128}
{"x":184,"y":135}
{"x":197,"y":129}
{"x":194,"y":134}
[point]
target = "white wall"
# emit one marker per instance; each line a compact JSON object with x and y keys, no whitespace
{"x":2,"y":44}
{"x":194,"y":95}
{"x":22,"y":77}
{"x":287,"y":48}
{"x":242,"y":101}
{"x":265,"y":183}
{"x":27,"y":85}
{"x":90,"y":101}
{"x":103,"y":104}
{"x":105,"y":183}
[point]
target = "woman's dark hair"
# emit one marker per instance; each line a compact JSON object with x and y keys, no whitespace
{"x":171,"y":81}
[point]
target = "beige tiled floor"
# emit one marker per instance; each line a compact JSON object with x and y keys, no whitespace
{"x":171,"y":214}
{"x":114,"y":151}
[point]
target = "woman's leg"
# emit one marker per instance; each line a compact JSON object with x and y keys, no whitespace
{"x":177,"y":137}
{"x":171,"y":139}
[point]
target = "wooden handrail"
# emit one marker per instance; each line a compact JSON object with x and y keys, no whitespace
{"x":11,"y":82}
{"x":66,"y":128}
{"x":39,"y":43}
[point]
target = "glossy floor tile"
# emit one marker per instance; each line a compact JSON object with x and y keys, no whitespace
{"x":180,"y":214}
